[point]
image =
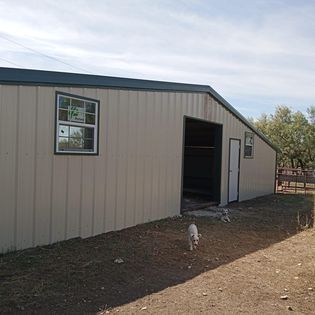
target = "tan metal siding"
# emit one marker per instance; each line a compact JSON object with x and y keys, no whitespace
{"x":44,"y":164}
{"x":8,"y":173}
{"x":136,"y":177}
{"x":132,"y":161}
{"x":258,"y":174}
{"x":26,"y":167}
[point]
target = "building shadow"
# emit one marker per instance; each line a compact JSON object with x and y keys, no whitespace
{"x":81,"y":276}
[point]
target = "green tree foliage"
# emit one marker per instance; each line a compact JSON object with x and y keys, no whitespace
{"x":293,"y":133}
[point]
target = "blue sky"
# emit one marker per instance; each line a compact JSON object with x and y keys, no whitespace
{"x":256,"y":54}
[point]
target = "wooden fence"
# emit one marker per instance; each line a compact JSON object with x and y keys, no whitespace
{"x":295,"y":179}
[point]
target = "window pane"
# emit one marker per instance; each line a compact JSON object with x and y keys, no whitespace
{"x":90,"y":107}
{"x":248,"y":151}
{"x":76,"y":114}
{"x":64,"y":102}
{"x":89,"y":133}
{"x":75,"y":143}
{"x":76,"y":132}
{"x":88,"y":145}
{"x":77,"y":103}
{"x":63,"y":143}
{"x":63,"y":131}
{"x":249,"y":139}
{"x":90,"y":119}
{"x":63,"y":115}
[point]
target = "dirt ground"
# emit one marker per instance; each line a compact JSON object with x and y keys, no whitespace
{"x":240,"y":267}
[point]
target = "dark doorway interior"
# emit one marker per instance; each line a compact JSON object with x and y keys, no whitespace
{"x":202,"y":161}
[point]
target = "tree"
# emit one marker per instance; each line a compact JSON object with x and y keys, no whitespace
{"x":311,"y":135}
{"x":293,"y":133}
{"x":311,"y":114}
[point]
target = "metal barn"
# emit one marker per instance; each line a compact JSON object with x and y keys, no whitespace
{"x":83,"y":154}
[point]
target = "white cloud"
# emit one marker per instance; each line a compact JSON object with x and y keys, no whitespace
{"x":265,"y":56}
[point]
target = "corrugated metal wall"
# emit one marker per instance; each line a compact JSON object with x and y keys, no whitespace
{"x":136,"y":178}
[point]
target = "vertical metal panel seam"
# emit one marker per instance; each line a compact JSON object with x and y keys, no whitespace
{"x":165,"y":113}
{"x":67,"y":198}
{"x":117,"y":157}
{"x":177,"y":158}
{"x":16,"y":165}
{"x":140,"y":157}
{"x":158,"y":123}
{"x":81,"y":190}
{"x":213,"y":110}
{"x":51,"y":199}
{"x":201,"y":106}
{"x":175,"y":154}
{"x":198,"y":108}
{"x":146,"y":159}
{"x":168,"y":155}
{"x":153,"y":156}
{"x":105,"y":119}
{"x":194,"y":105}
{"x":180,"y":118}
{"x":146,"y":156}
{"x":52,"y":179}
{"x":127,"y":159}
{"x":172,"y":147}
{"x":209,"y":107}
{"x":184,"y":99}
{"x":158,"y":160}
{"x":35,"y":166}
{"x":205,"y":104}
{"x":181,"y":129}
{"x":136,"y":157}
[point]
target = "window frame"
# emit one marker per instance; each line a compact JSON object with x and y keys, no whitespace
{"x":252,"y":146}
{"x":75,"y":124}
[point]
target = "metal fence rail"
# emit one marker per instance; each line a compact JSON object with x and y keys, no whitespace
{"x":295,"y":179}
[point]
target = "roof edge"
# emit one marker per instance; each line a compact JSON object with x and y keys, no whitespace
{"x":53,"y":78}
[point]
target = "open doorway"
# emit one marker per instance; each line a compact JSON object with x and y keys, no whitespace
{"x":201,"y":164}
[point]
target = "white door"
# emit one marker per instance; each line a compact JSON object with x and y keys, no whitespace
{"x":234,"y":168}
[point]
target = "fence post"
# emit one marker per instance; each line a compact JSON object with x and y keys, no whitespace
{"x":304,"y":183}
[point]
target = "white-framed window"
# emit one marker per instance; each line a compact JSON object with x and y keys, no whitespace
{"x":249,"y":145}
{"x":77,"y":120}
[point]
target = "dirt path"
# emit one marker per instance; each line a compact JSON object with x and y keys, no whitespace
{"x":252,"y":284}
{"x":242,"y":267}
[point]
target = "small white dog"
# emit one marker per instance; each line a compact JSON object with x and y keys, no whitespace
{"x":225,"y":215}
{"x":193,"y":236}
